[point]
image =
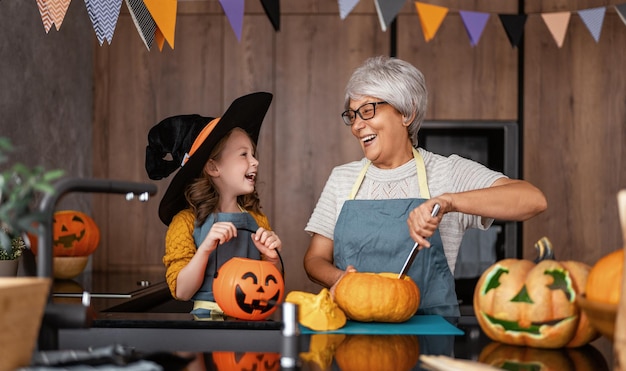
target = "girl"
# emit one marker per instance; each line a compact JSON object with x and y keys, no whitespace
{"x":211,"y":206}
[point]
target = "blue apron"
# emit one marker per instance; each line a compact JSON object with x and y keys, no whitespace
{"x":373,"y":236}
{"x":241,"y":246}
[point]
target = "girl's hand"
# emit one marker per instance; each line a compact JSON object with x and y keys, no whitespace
{"x":267,"y":242}
{"x":220,"y":233}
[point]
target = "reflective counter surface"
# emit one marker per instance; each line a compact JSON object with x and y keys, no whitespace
{"x":152,"y":322}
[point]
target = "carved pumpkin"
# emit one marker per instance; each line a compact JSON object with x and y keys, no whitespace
{"x":317,"y":312}
{"x":233,"y":361}
{"x":510,"y":357}
{"x":604,"y":283}
{"x":519,"y":302}
{"x":73,"y":234}
{"x":379,"y":297}
{"x":380,"y":352}
{"x":248,"y":289}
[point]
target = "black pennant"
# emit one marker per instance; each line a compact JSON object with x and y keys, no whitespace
{"x":272,"y":9}
{"x":514,"y":26}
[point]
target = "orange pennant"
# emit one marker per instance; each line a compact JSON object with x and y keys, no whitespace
{"x":557,"y":24}
{"x":57,"y":9}
{"x":431,"y":17}
{"x":46,"y":18}
{"x":159,"y":38}
{"x":164,"y":14}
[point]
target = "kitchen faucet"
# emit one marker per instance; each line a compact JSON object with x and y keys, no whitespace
{"x":63,"y":315}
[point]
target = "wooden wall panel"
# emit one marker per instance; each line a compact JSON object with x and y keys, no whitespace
{"x":574,"y":135}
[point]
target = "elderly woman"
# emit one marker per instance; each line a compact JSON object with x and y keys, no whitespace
{"x":361,"y":218}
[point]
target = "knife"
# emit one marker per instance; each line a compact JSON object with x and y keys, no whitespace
{"x":415,"y":250}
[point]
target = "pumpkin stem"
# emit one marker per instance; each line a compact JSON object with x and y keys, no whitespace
{"x":544,"y":250}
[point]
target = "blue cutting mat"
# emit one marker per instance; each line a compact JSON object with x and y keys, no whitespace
{"x":417,"y":325}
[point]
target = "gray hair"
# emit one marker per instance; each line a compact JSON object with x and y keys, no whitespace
{"x":395,"y":81}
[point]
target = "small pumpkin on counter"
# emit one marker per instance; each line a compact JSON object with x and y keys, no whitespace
{"x":248,"y":289}
{"x":74,"y":233}
{"x":380,"y":352}
{"x":519,"y":302}
{"x":317,"y":312}
{"x":604,"y":283}
{"x":377,"y":297}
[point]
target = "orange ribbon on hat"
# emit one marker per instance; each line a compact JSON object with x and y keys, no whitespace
{"x":200,"y":139}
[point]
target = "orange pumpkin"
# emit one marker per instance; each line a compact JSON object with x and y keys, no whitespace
{"x":74,"y":233}
{"x":519,"y":302}
{"x":233,"y":361}
{"x":510,"y":357}
{"x":380,"y":352}
{"x":604,"y":283}
{"x":248,"y":289}
{"x":380,"y":297}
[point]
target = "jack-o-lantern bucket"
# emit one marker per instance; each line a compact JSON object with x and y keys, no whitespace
{"x":248,"y":289}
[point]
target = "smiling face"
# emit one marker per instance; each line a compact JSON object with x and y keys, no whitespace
{"x":384,"y":138}
{"x":234,"y":171}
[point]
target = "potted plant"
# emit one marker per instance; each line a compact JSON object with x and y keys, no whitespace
{"x":20,"y":189}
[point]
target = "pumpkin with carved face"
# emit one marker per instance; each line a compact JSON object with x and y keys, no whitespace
{"x":519,"y":302}
{"x":233,"y":361}
{"x":248,"y":289}
{"x":74,"y":233}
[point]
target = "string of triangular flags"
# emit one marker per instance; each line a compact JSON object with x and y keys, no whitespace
{"x":431,"y":17}
{"x":155,"y":20}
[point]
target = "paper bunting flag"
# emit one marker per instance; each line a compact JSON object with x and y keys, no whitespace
{"x":104,"y":15}
{"x":593,"y":19}
{"x":234,"y":12}
{"x":143,"y":21}
{"x":272,"y":9}
{"x":58,"y":9}
{"x":621,"y":10}
{"x":557,"y":24}
{"x":387,"y":11}
{"x":346,"y":6}
{"x":163,"y":13}
{"x":431,"y":17}
{"x":514,"y":26}
{"x":52,"y":12}
{"x":46,"y":18}
{"x":474,"y":23}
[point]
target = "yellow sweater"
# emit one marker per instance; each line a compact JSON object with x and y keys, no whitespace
{"x":180,"y":246}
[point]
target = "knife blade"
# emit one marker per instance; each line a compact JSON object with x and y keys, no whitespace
{"x":413,"y":253}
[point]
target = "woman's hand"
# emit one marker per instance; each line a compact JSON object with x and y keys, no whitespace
{"x":349,"y":269}
{"x":422,"y":224}
{"x":268,"y":243}
{"x":220,"y":233}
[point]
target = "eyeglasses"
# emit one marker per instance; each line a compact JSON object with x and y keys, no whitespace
{"x":365,"y":112}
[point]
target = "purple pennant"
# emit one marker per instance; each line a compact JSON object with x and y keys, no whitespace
{"x":593,"y":19}
{"x":474,"y":23}
{"x":234,"y":13}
